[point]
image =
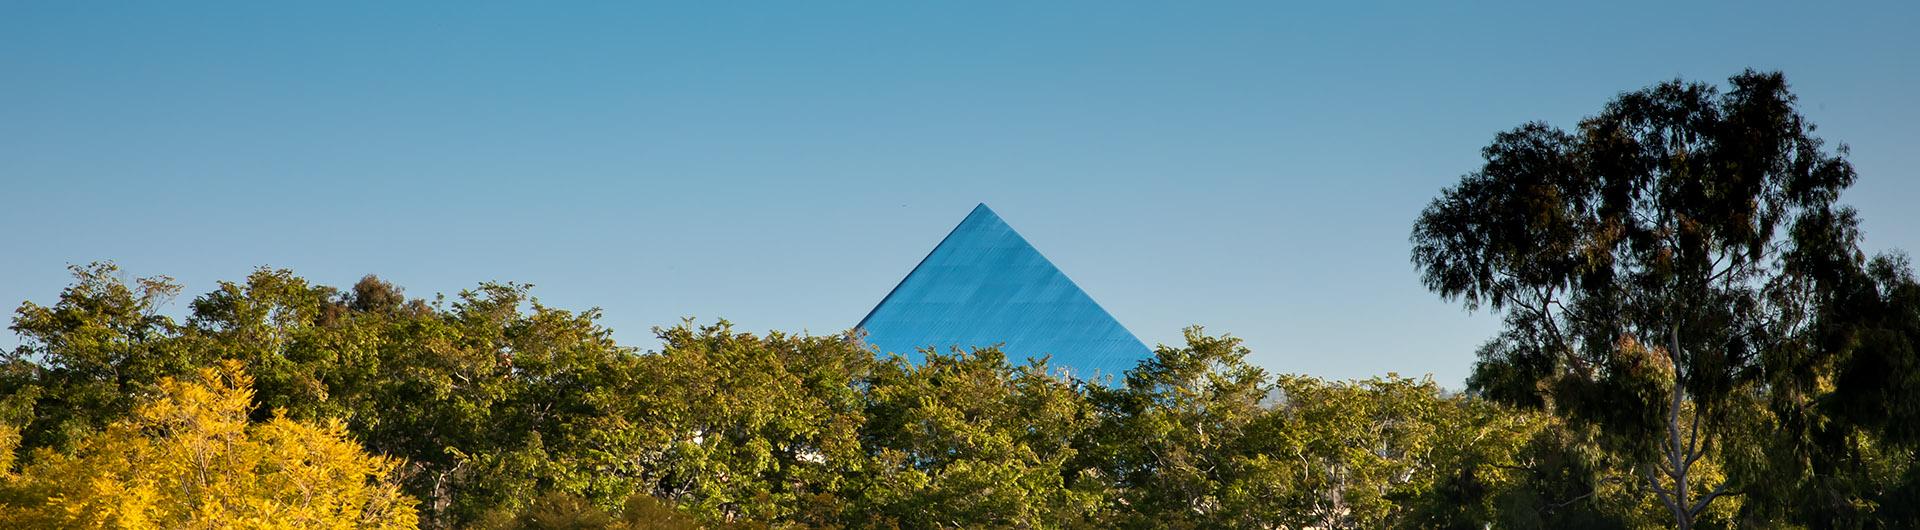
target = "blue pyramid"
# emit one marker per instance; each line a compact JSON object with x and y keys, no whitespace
{"x":985,"y":285}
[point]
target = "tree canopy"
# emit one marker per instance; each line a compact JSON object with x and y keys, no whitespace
{"x":191,"y":458}
{"x":1692,"y":338}
{"x":490,"y":409}
{"x":1679,"y":280}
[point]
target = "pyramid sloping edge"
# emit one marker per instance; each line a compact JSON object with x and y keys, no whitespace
{"x":984,"y":284}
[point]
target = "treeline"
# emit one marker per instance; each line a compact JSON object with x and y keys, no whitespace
{"x":1693,"y":337}
{"x":490,"y":409}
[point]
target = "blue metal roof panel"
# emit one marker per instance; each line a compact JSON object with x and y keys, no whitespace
{"x":985,"y":285}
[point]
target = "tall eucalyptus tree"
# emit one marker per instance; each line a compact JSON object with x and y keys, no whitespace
{"x":1660,"y":269}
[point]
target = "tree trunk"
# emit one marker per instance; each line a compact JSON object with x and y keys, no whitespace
{"x":1678,"y":459}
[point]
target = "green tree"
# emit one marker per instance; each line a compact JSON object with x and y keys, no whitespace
{"x":1167,"y":434}
{"x":1840,"y":445}
{"x":493,"y":401}
{"x":272,"y":322}
{"x":1652,"y":266}
{"x":966,"y":440}
{"x":1387,"y":452}
{"x":749,"y":428}
{"x":1343,"y":455}
{"x":560,"y":511}
{"x":83,"y":361}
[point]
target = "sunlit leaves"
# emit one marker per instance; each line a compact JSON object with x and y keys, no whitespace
{"x":191,"y":458}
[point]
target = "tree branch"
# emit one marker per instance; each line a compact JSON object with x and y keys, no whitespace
{"x":1707,"y":499}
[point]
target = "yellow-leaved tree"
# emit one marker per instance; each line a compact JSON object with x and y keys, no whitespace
{"x":189,"y":458}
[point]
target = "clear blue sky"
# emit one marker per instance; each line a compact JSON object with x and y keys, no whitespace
{"x":1251,"y":167}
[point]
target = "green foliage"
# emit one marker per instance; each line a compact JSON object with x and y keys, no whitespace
{"x":560,"y":511}
{"x":489,"y":400}
{"x":1679,"y":282}
{"x":84,"y":361}
{"x":496,"y":411}
{"x":1841,"y":425}
{"x":498,"y":398}
{"x":966,"y":440}
{"x":1354,"y":455}
{"x":1169,"y":432}
{"x":748,"y":427}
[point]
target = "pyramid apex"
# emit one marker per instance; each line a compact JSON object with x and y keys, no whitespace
{"x":981,"y":214}
{"x":984,"y":285}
